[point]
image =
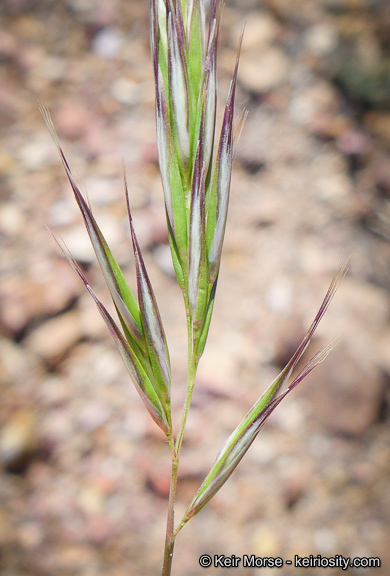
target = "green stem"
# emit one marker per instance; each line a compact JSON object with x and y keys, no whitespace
{"x":175,"y":449}
{"x":192,"y":366}
{"x":170,"y":536}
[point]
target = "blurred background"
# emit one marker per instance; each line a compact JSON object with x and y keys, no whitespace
{"x":84,"y":473}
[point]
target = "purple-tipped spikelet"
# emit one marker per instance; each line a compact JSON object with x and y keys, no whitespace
{"x":142,"y":343}
{"x":184,"y":40}
{"x":243,"y":436}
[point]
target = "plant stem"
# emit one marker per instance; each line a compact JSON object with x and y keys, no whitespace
{"x":170,"y":538}
{"x":192,"y":366}
{"x":176,"y":448}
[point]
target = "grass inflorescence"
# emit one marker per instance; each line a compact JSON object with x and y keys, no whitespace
{"x":195,"y":165}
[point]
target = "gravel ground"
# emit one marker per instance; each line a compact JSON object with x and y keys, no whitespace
{"x":84,"y":473}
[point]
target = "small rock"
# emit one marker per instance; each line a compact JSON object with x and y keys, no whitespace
{"x":91,"y":499}
{"x":217,"y":372}
{"x":157,"y":475}
{"x":126,"y":91}
{"x":92,"y":322}
{"x":163,"y":258}
{"x":63,"y":212}
{"x":12,"y":219}
{"x":53,"y":339}
{"x":334,"y":186}
{"x":55,"y":391}
{"x":261,"y":73}
{"x":266,"y":541}
{"x":17,"y":365}
{"x":108,"y":43}
{"x":56,"y":427}
{"x":279,"y":296}
{"x":347,"y":391}
{"x":150,"y":226}
{"x":379,"y":124}
{"x":47,"y":288}
{"x":321,"y":39}
{"x":8,"y":44}
{"x":53,"y":68}
{"x":260,"y":31}
{"x":18,"y":439}
{"x":354,"y":143}
{"x":79,"y":244}
{"x":30,"y":535}
{"x":318,"y":99}
{"x":37,"y":153}
{"x":103,"y":191}
{"x":325,"y":541}
{"x":94,"y":415}
{"x":99,"y":529}
{"x":73,"y":119}
{"x":6,"y":532}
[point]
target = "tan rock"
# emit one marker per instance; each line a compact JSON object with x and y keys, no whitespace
{"x":46,"y":288}
{"x":18,"y":438}
{"x":260,"y":31}
{"x":264,"y":71}
{"x":54,"y":338}
{"x":379,"y":124}
{"x":347,"y":391}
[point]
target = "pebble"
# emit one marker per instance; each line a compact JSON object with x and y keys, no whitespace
{"x":163,"y":258}
{"x":217,"y":372}
{"x":47,"y":288}
{"x":263,"y":450}
{"x":79,"y":245}
{"x":37,"y":153}
{"x":18,"y":366}
{"x":156,"y":476}
{"x":94,"y":415}
{"x":12,"y":219}
{"x":99,"y":529}
{"x":30,"y":535}
{"x":8,"y":44}
{"x":55,"y":337}
{"x":321,"y":39}
{"x":265,"y":71}
{"x":318,"y":99}
{"x":379,"y":124}
{"x":72,"y":119}
{"x":56,"y":427}
{"x":266,"y":541}
{"x":108,"y":43}
{"x":126,"y":91}
{"x":91,"y":499}
{"x":7,"y":535}
{"x":55,"y":391}
{"x":53,"y":68}
{"x":92,"y":322}
{"x":63,"y":212}
{"x":104,"y":191}
{"x":354,"y":143}
{"x":348,"y":391}
{"x":279,"y":296}
{"x":325,"y":541}
{"x":18,"y":438}
{"x":261,"y":29}
{"x":150,"y":226}
{"x":333,"y":186}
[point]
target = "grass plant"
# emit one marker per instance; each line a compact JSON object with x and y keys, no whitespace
{"x":195,"y":167}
